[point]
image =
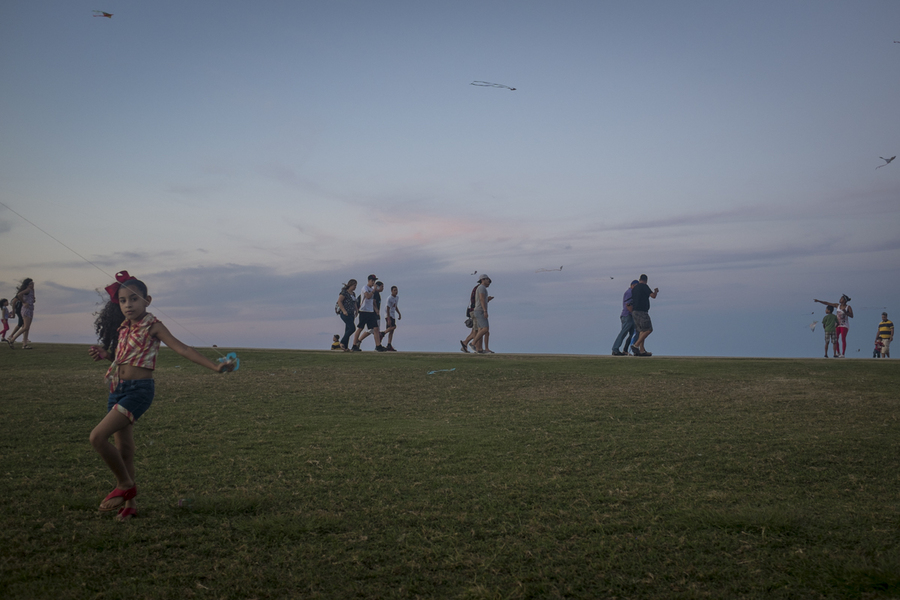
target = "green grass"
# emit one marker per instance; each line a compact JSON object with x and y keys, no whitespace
{"x":321,"y":475}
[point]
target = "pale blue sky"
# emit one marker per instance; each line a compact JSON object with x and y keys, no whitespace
{"x":245,"y":159}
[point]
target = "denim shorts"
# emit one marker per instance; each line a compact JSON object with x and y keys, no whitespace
{"x":132,"y":398}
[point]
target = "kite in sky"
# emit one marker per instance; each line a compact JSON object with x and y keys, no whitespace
{"x":547,"y":270}
{"x":887,"y":161}
{"x":812,"y":326}
{"x":475,"y":273}
{"x":100,"y":13}
{"x":489,"y":84}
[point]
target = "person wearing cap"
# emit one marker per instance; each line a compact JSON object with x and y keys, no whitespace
{"x":886,"y":335}
{"x":480,"y":316}
{"x":627,"y":322}
{"x":641,"y":294}
{"x":368,"y":318}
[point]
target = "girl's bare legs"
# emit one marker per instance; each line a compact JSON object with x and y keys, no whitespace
{"x":23,"y":331}
{"x":119,"y":457}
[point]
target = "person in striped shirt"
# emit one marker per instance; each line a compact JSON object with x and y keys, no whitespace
{"x":886,"y":335}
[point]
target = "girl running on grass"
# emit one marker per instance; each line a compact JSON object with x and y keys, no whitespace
{"x":130,"y":337}
{"x":4,"y":306}
{"x":25,"y":312}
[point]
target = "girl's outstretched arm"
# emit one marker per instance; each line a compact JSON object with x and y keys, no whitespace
{"x":834,"y":304}
{"x":160,"y":331}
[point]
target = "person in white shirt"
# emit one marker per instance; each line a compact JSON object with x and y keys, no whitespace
{"x":391,"y":315}
{"x":480,"y":316}
{"x":368,"y":318}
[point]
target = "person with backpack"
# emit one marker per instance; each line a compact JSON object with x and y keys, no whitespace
{"x":470,"y":321}
{"x":345,"y":307}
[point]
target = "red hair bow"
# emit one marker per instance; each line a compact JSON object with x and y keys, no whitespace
{"x":113,"y":290}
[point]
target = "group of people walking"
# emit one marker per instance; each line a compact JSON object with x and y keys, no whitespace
{"x":367,"y":309}
{"x":477,"y":319}
{"x":635,"y":319}
{"x":23,"y":311}
{"x":836,"y":324}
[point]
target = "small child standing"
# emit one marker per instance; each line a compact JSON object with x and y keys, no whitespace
{"x":878,"y":348}
{"x":130,"y":338}
{"x":336,"y":342}
{"x":829,"y":323}
{"x":4,"y":306}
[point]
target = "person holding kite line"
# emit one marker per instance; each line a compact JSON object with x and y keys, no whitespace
{"x":25,"y":298}
{"x":843,"y":313}
{"x":129,"y":338}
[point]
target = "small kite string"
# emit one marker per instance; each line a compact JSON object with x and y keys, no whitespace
{"x":96,"y":266}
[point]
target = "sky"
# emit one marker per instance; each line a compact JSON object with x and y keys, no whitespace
{"x":246,"y":159}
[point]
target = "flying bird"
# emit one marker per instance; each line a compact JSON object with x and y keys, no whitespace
{"x":495,"y":85}
{"x":887,"y":161}
{"x":100,"y":13}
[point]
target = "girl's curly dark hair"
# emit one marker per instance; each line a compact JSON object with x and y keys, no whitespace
{"x":110,"y":317}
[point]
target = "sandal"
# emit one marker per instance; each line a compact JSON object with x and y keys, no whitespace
{"x":126,"y":513}
{"x":26,"y":347}
{"x":125,"y":495}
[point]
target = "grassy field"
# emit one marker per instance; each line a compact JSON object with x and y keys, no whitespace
{"x":320,"y":475}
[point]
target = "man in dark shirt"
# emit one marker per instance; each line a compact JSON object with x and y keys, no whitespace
{"x":640,"y":296}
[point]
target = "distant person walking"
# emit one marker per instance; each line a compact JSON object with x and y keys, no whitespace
{"x":368,"y":318}
{"x":25,"y":297}
{"x":391,"y":315}
{"x":843,"y":313}
{"x":346,"y":309}
{"x":627,"y":322}
{"x":4,"y":307}
{"x":483,"y":336}
{"x":641,"y":294}
{"x":886,"y":335}
{"x":470,"y":317}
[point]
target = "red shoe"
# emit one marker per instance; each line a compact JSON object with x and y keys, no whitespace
{"x":125,"y":495}
{"x":126,"y":513}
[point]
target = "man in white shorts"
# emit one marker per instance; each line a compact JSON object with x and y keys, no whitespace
{"x":368,"y":318}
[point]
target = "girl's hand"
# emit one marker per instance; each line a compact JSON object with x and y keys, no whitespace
{"x":227,"y":366}
{"x":97,"y":353}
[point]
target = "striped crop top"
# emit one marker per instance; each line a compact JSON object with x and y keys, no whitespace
{"x":136,"y":347}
